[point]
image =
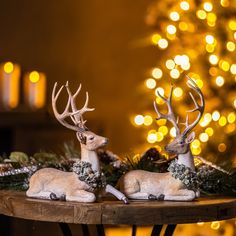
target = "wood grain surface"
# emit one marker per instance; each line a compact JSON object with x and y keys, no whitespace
{"x":16,"y":204}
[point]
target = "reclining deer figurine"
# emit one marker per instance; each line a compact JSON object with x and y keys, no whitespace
{"x":140,"y":184}
{"x":49,"y":183}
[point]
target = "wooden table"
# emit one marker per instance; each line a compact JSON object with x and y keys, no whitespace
{"x":157,"y":213}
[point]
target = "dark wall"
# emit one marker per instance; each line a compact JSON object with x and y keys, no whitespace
{"x":99,"y":43}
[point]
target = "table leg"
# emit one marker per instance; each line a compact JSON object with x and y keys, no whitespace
{"x":134,"y":229}
{"x":170,"y":230}
{"x":100,"y":230}
{"x":65,"y":229}
{"x":85,"y":230}
{"x":156,"y":230}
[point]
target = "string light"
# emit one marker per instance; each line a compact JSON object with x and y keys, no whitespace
{"x":174,"y":15}
{"x":233,"y":69}
{"x":231,"y":117}
{"x":174,"y":74}
{"x":209,"y":39}
{"x":213,"y":59}
{"x":207,"y":6}
{"x":215,"y":225}
{"x":178,"y":92}
{"x":170,"y":64}
{"x":8,"y":67}
{"x":215,"y":115}
{"x":156,"y":38}
{"x":222,"y":147}
{"x":204,"y":137}
{"x":184,"y":5}
{"x":163,"y":43}
{"x":173,"y":132}
{"x":230,"y":46}
{"x":150,"y":83}
{"x":171,"y":29}
{"x":201,"y":14}
{"x":222,"y":121}
{"x":160,"y":91}
{"x":157,"y":73}
{"x":147,"y":120}
{"x":220,"y":81}
{"x":34,"y":76}
{"x":138,"y":119}
{"x":163,"y":129}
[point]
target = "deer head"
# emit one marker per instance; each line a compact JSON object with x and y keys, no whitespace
{"x":87,"y":139}
{"x":180,"y":144}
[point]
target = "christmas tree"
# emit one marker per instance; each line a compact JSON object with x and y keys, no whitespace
{"x":194,"y":38}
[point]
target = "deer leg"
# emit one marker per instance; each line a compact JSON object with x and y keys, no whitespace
{"x":180,"y":195}
{"x":119,"y":195}
{"x":81,"y":196}
{"x":40,"y":194}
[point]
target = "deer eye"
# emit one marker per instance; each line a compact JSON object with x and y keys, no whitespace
{"x":182,"y":142}
{"x":91,"y":138}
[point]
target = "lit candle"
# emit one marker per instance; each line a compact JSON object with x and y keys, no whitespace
{"x":35,"y":89}
{"x":9,"y":84}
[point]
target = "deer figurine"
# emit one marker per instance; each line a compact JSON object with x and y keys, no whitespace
{"x":49,"y":183}
{"x":140,"y":184}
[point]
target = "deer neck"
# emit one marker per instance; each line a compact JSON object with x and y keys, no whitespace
{"x":187,"y":160}
{"x":91,"y":157}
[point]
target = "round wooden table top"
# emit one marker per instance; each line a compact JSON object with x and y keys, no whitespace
{"x":16,"y":204}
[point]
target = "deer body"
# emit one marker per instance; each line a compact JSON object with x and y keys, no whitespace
{"x":141,"y":184}
{"x":50,"y":183}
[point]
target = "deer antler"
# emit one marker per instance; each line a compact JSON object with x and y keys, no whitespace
{"x":198,"y":107}
{"x":75,"y":115}
{"x":170,"y":115}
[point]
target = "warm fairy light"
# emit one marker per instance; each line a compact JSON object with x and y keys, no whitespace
{"x":196,"y":151}
{"x":170,"y":64}
{"x":147,"y":120}
{"x":139,"y":120}
{"x":184,"y":5}
{"x":224,"y":3}
{"x":195,"y":144}
{"x":178,"y":92}
{"x":210,"y":48}
{"x":163,"y":129}
{"x":8,"y":67}
{"x":224,"y":65}
{"x":207,"y":6}
{"x":232,"y":24}
{"x":156,"y":38}
{"x":220,"y":81}
{"x":157,"y":73}
{"x":222,"y":147}
{"x":151,"y":83}
{"x":163,"y":43}
{"x":199,"y":83}
{"x":159,"y":100}
{"x":215,"y":115}
{"x":233,"y":69}
{"x":213,"y":71}
{"x":207,"y":117}
{"x":185,"y":66}
{"x":183,"y":26}
{"x":159,"y":136}
{"x":215,"y":225}
{"x":201,"y":14}
{"x":159,"y":90}
{"x":174,"y":16}
{"x":209,"y":131}
{"x":211,"y":18}
{"x":203,"y":137}
{"x":222,"y":121}
{"x":234,"y":103}
{"x":231,"y":117}
{"x":173,"y":132}
{"x":209,"y":39}
{"x":213,"y":59}
{"x":171,"y":29}
{"x":152,"y":138}
{"x":161,"y":122}
{"x":234,"y":35}
{"x":230,"y":128}
{"x":34,"y":76}
{"x":174,"y":73}
{"x":230,"y":46}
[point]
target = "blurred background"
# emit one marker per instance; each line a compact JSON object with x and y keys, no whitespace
{"x":122,"y":52}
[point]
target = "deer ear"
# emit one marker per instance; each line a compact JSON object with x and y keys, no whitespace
{"x":190,"y":137}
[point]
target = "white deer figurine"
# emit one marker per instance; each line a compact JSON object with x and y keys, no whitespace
{"x":140,"y":184}
{"x":49,"y":183}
